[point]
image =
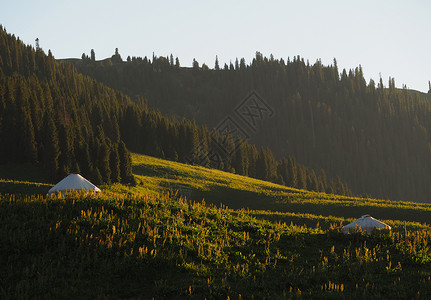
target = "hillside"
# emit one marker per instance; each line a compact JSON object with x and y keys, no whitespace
{"x":53,"y":117}
{"x":156,"y":176}
{"x":143,"y":241}
{"x":217,"y":187}
{"x":373,"y":136}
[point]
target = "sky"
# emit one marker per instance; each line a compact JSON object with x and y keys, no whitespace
{"x":388,"y":38}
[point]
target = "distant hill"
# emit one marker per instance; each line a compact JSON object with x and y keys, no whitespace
{"x":374,"y":136}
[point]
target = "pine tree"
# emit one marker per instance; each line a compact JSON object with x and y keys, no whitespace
{"x":51,"y":147}
{"x":97,"y":177}
{"x":103,"y":155}
{"x":241,"y":160}
{"x":65,"y":159}
{"x":195,"y":64}
{"x":114,"y":163}
{"x":302,"y":178}
{"x":322,"y":181}
{"x":216,"y":65}
{"x":93,"y":55}
{"x":292,"y":177}
{"x":339,"y":186}
{"x":312,"y":182}
{"x":83,"y":159}
{"x":116,"y":58}
{"x":26,"y":137}
{"x":242,"y":65}
{"x":125,"y":164}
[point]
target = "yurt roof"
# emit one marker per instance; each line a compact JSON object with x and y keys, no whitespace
{"x":73,"y":182}
{"x":366,"y":223}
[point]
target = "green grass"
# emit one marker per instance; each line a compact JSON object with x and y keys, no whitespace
{"x":155,"y":176}
{"x":160,"y":239}
{"x":154,"y":246}
{"x":216,"y":187}
{"x":23,"y":187}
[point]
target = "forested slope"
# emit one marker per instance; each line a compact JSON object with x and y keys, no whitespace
{"x":375,"y":137}
{"x":52,"y":116}
{"x":67,"y":122}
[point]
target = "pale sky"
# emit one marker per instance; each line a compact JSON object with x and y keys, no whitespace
{"x":387,"y":37}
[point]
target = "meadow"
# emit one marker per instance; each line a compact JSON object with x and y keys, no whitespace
{"x":189,"y":232}
{"x":217,"y":187}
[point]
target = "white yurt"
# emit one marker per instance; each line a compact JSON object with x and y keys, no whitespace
{"x":74,"y":183}
{"x":367,"y":223}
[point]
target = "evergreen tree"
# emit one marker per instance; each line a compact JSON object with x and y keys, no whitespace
{"x":195,"y":64}
{"x":322,"y":181}
{"x":65,"y":159}
{"x":51,"y":147}
{"x":114,"y":164}
{"x":125,"y":164}
{"x":97,"y":177}
{"x":302,"y":178}
{"x":312,"y":182}
{"x":103,"y":155}
{"x":292,"y":173}
{"x":242,"y":65}
{"x":241,"y":164}
{"x":93,"y":55}
{"x":116,"y":58}
{"x":26,"y":136}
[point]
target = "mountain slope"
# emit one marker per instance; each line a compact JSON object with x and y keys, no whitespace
{"x":150,"y":245}
{"x":55,"y":118}
{"x":375,"y":138}
{"x":66,"y":122}
{"x":216,"y":187}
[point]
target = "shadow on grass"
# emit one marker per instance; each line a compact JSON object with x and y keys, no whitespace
{"x":23,"y":188}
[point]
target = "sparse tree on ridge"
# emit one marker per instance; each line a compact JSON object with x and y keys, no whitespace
{"x":93,"y":55}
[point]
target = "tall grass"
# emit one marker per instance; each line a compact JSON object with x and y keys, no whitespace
{"x":158,"y":246}
{"x":160,"y":239}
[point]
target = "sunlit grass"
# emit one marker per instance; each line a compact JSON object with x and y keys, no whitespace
{"x":144,"y":246}
{"x":161,"y":239}
{"x":196,"y":183}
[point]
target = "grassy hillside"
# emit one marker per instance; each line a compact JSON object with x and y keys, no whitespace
{"x":155,"y":246}
{"x":217,"y":187}
{"x":147,"y":241}
{"x":195,"y":183}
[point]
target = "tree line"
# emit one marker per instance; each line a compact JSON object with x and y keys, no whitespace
{"x":374,"y":136}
